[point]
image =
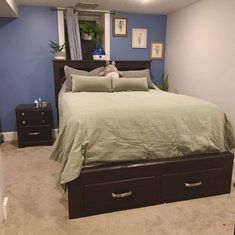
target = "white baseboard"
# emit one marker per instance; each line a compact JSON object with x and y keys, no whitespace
{"x":9,"y":136}
{"x":12,"y":136}
{"x":54,"y":133}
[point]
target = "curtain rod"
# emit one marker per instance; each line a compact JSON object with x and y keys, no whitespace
{"x":84,"y":10}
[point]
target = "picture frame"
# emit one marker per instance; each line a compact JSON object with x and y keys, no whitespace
{"x":157,"y":50}
{"x":139,"y":38}
{"x":120,"y":26}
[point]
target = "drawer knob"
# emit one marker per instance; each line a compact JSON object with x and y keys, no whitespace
{"x":34,"y":133}
{"x":22,"y":114}
{"x":42,"y":113}
{"x":43,"y":121}
{"x":121,"y":195}
{"x":193,"y":185}
{"x":23,"y":122}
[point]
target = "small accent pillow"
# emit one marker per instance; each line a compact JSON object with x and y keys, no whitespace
{"x":68,"y":71}
{"x":127,"y":84}
{"x":91,"y":84}
{"x":140,"y":74}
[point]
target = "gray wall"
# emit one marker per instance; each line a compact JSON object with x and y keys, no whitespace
{"x":201,"y":50}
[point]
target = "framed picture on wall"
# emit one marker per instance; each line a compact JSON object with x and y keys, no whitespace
{"x":120,"y":27}
{"x":157,"y":50}
{"x":139,"y":38}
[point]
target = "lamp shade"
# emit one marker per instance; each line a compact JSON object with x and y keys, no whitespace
{"x":98,"y":53}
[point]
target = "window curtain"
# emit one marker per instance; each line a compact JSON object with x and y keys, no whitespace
{"x":73,"y":29}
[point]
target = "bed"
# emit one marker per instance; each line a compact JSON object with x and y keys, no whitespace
{"x":131,"y":149}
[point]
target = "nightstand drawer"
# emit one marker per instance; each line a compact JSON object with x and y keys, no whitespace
{"x":190,"y":185}
{"x":32,"y":134}
{"x":22,"y":114}
{"x":33,"y":121}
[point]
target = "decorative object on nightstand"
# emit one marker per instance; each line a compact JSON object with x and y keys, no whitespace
{"x":34,"y":125}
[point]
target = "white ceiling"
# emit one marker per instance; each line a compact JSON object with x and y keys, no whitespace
{"x":138,"y":6}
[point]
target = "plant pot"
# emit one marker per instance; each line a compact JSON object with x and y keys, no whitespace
{"x":60,"y":55}
{"x":86,"y":37}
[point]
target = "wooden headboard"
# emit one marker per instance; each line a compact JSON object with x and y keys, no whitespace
{"x":89,"y":65}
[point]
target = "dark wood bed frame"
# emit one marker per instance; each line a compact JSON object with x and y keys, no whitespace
{"x":119,"y":186}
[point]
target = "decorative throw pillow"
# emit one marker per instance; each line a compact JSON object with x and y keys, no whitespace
{"x":127,"y":84}
{"x":140,"y":74}
{"x":91,"y":84}
{"x":68,"y":71}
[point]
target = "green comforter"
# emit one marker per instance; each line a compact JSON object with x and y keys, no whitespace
{"x":110,"y":127}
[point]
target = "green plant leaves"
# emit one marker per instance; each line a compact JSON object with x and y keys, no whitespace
{"x":56,"y":47}
{"x":164,"y":86}
{"x":93,"y":30}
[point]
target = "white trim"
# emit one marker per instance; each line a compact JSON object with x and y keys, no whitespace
{"x":12,"y":136}
{"x":9,"y":136}
{"x":55,"y":133}
{"x":61,"y":36}
{"x":107,"y":35}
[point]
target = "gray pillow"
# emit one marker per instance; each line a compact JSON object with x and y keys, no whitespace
{"x":127,"y":84}
{"x":91,"y":84}
{"x":140,"y":74}
{"x":68,"y":71}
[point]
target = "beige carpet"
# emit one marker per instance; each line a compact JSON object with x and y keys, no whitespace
{"x":38,"y":207}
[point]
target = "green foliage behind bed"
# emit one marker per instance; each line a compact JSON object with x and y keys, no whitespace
{"x":164,"y":86}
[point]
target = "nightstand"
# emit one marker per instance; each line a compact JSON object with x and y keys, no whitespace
{"x":34,"y":125}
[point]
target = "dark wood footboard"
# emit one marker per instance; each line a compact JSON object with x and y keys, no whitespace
{"x":114,"y":187}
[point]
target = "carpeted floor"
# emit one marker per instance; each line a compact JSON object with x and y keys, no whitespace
{"x":38,"y":207}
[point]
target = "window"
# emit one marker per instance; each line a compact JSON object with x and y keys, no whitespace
{"x":102,"y":19}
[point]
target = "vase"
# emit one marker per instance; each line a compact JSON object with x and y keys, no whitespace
{"x":59,"y":55}
{"x":86,"y":37}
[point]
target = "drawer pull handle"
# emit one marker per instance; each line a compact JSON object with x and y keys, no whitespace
{"x":43,"y":121}
{"x":22,"y":114}
{"x":193,"y":185}
{"x":120,"y":195}
{"x":34,"y":133}
{"x":42,"y":113}
{"x":23,"y":122}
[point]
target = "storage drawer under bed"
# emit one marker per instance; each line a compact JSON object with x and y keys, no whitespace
{"x":111,"y":188}
{"x":121,"y":194}
{"x":188,"y":185}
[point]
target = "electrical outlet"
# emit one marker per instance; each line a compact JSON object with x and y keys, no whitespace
{"x":5,"y":208}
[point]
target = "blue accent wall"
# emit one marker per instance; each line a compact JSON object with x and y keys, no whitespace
{"x":26,"y":71}
{"x":121,"y":47}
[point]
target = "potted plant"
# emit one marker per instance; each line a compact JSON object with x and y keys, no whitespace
{"x":164,"y":86}
{"x":91,"y":31}
{"x":57,"y":50}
